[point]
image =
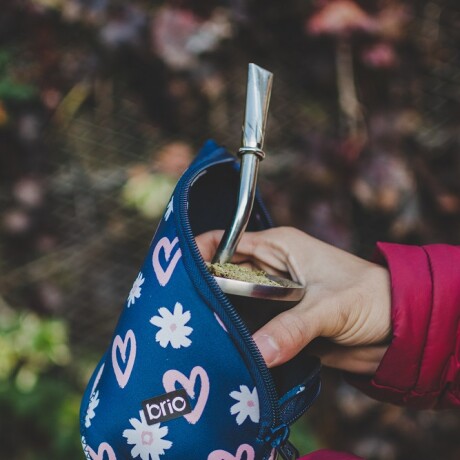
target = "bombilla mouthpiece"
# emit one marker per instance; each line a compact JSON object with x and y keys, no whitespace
{"x":257,"y":102}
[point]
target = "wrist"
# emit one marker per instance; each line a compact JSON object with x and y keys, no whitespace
{"x":380,"y":301}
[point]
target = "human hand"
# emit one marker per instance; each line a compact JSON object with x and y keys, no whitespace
{"x":347,"y":299}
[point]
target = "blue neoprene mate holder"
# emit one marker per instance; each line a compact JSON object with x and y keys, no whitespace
{"x":182,"y":377}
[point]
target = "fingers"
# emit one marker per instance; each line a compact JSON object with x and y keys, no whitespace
{"x":208,"y":243}
{"x":291,"y":331}
{"x":264,"y":247}
{"x":277,"y":251}
{"x":284,"y":336}
{"x":257,"y":248}
{"x":358,"y":360}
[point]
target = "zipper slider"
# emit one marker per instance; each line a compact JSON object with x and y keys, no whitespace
{"x":287,"y":451}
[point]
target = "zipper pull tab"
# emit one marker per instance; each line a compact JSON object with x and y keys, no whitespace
{"x":287,"y":451}
{"x":279,"y":440}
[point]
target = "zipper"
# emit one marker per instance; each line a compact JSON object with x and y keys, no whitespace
{"x":279,"y":440}
{"x":287,"y":451}
{"x":312,"y":400}
{"x":262,"y":376}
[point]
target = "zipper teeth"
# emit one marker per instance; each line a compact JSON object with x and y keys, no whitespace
{"x":263,"y":376}
{"x":312,"y":400}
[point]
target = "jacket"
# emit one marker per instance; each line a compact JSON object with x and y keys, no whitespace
{"x":421,"y":367}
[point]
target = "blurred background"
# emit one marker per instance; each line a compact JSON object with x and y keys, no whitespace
{"x":103,"y":104}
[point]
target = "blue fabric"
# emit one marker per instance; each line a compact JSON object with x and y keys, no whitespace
{"x":178,"y":330}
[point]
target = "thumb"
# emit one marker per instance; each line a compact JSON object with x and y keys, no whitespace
{"x":284,"y":336}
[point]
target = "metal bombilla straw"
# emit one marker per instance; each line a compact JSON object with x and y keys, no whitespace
{"x":257,"y":102}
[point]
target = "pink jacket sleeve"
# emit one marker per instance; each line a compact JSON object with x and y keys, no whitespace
{"x":421,"y":367}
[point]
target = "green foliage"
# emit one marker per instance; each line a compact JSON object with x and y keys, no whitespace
{"x":39,"y":402}
{"x":42,"y":424}
{"x":10,"y":89}
{"x":302,"y":437}
{"x":29,"y":346}
{"x":148,"y":193}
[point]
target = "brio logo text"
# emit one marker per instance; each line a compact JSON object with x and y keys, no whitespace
{"x":166,"y":407}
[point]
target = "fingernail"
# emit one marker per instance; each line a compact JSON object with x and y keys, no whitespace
{"x":268,"y":347}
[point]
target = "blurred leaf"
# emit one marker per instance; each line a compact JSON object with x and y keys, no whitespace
{"x":29,"y":346}
{"x":5,"y":58}
{"x":39,"y":403}
{"x":49,"y":3}
{"x":10,"y":90}
{"x":72,"y":102}
{"x":42,"y":424}
{"x":302,"y":437}
{"x":148,"y":193}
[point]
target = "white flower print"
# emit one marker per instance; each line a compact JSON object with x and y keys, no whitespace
{"x":147,"y":439}
{"x":85,"y":447}
{"x":173,"y":329}
{"x":93,"y":403}
{"x":169,"y":209}
{"x":135,"y":292}
{"x":93,"y":399}
{"x":247,"y":405}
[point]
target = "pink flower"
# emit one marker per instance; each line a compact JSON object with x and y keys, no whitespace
{"x":340,"y":17}
{"x":380,"y":56}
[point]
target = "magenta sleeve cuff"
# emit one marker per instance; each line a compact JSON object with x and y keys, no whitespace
{"x":421,"y":366}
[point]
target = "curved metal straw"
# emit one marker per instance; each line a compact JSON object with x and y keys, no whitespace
{"x":257,"y":102}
